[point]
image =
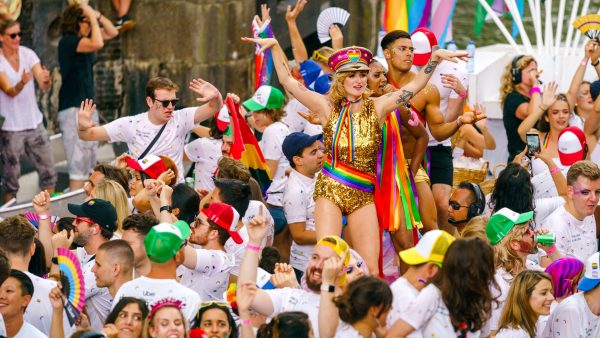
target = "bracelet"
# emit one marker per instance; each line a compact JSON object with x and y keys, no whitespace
{"x":584,"y":62}
{"x":54,"y":260}
{"x":535,"y":90}
{"x":597,"y":63}
{"x":463,"y":95}
{"x":458,"y":123}
{"x":554,"y":170}
{"x":551,"y":251}
{"x":253,"y":247}
{"x":245,"y":322}
{"x":44,"y":216}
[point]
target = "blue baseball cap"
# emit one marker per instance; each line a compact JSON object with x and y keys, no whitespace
{"x":322,"y":84}
{"x":591,"y":278}
{"x":310,"y":71}
{"x":294,"y":143}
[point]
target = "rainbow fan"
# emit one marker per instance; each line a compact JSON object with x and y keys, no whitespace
{"x":34,"y":219}
{"x":589,"y":25}
{"x":73,"y":285}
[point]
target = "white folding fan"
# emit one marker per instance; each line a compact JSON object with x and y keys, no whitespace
{"x":328,"y":17}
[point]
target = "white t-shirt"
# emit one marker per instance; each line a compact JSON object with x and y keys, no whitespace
{"x":429,"y":315}
{"x":297,"y":123}
{"x":151,"y":290}
{"x":543,"y":208}
{"x":270,"y":144}
{"x":543,"y":184}
{"x":345,"y":330}
{"x":574,"y":238}
{"x":446,"y":67}
{"x":21,"y":112}
{"x":29,"y":331}
{"x":299,"y":206}
{"x":205,"y":152}
{"x":210,"y":277}
{"x":39,"y":311}
{"x":98,"y":301}
{"x":538,"y":166}
{"x":137,"y":131}
{"x":288,"y":299}
{"x":512,"y":333}
{"x":404,"y":293}
{"x":573,"y":318}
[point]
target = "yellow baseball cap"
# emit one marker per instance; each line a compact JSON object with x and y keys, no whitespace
{"x":431,"y":248}
{"x":339,"y":246}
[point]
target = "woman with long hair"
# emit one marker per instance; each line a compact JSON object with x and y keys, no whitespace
{"x":459,"y":300}
{"x":127,"y":317}
{"x":529,"y":297}
{"x":113,"y":192}
{"x":166,"y":320}
{"x":216,"y":320}
{"x":579,"y":95}
{"x":352,"y":124}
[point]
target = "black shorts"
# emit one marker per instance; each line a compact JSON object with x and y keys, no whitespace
{"x":441,"y":168}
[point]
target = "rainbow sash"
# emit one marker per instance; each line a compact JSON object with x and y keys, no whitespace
{"x":345,"y":118}
{"x":349,"y":176}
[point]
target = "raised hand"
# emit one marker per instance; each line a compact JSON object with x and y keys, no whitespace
{"x":166,"y":195}
{"x":590,"y":47}
{"x":62,"y":240}
{"x":479,"y":110}
{"x":204,"y":90}
{"x":263,"y":43}
{"x":264,"y":14}
{"x":337,"y":37}
{"x":120,"y":160}
{"x":332,"y":268}
{"x":56,"y":299}
{"x":452,"y":82}
{"x":444,"y":54}
{"x":234,"y":98}
{"x":84,"y":116}
{"x":167,"y":176}
{"x":45,"y":75}
{"x":311,"y":117}
{"x":292,"y":14}
{"x":258,"y":226}
{"x":41,"y":203}
{"x":152,"y":187}
{"x":549,"y":95}
{"x":26,"y":76}
{"x":246,"y":291}
{"x":284,"y":276}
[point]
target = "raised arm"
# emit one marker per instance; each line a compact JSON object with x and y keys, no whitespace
{"x":206,"y":93}
{"x":312,"y":100}
{"x":538,"y":110}
{"x":592,"y":123}
{"x":41,"y":205}
{"x":386,"y":103}
{"x":298,"y":47}
{"x":86,"y":127}
{"x":108,"y":30}
{"x":557,"y":176}
{"x":94,"y":42}
{"x":577,"y":79}
{"x":329,"y":317}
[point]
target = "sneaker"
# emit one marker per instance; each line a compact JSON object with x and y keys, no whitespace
{"x":124,"y":23}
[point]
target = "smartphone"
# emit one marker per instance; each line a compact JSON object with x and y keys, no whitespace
{"x":533,"y":143}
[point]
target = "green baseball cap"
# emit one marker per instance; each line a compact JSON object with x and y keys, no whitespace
{"x":502,"y":222}
{"x":265,"y":97}
{"x":165,"y":240}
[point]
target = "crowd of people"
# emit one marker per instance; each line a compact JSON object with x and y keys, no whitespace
{"x":362,"y":231}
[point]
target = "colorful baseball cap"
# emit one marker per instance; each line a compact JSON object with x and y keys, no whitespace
{"x":571,"y":145}
{"x":591,"y":278}
{"x":165,"y":239}
{"x":431,"y":248}
{"x":310,"y":71}
{"x":423,"y":41}
{"x":350,"y":59}
{"x":98,"y":210}
{"x":225,"y":216}
{"x":502,"y":222}
{"x":322,"y":84}
{"x":265,"y":97}
{"x":150,"y":165}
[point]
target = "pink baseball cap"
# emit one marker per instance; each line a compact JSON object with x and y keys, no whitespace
{"x":571,"y":145}
{"x":225,"y":216}
{"x":423,"y":41}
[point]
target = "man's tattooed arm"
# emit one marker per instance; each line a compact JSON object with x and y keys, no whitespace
{"x":431,"y":64}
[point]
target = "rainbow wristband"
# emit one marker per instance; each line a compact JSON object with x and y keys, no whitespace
{"x":253,"y":247}
{"x":535,"y":90}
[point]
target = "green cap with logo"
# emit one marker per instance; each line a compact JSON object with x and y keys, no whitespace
{"x":164,"y":240}
{"x":502,"y":222}
{"x":265,"y":97}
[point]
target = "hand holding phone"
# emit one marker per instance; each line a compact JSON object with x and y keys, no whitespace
{"x":533,"y":144}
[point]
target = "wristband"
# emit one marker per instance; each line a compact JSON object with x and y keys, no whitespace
{"x":54,"y":260}
{"x":551,"y":251}
{"x":328,"y":288}
{"x":166,"y":208}
{"x":253,"y":247}
{"x":245,"y":322}
{"x":44,"y":216}
{"x":596,"y":63}
{"x":535,"y":90}
{"x":458,"y":123}
{"x":463,"y":95}
{"x":554,"y":170}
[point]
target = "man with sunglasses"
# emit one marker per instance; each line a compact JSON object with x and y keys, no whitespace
{"x":162,"y":129}
{"x":466,"y":202}
{"x":574,"y":223}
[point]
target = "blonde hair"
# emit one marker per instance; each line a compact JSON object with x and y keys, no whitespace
{"x":148,"y":322}
{"x":517,"y":310}
{"x":506,"y":83}
{"x":337,"y":93}
{"x":114,"y":193}
{"x":475,"y":228}
{"x":505,"y":256}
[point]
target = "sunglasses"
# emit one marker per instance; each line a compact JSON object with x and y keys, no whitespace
{"x":319,"y":57}
{"x":214,"y":302}
{"x":79,"y":219}
{"x":14,"y":35}
{"x":454,"y":205}
{"x":166,"y":103}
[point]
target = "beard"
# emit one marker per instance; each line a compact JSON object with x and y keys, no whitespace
{"x":314,"y":286}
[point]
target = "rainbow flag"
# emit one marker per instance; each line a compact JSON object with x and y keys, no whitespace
{"x":263,"y":62}
{"x":442,"y":17}
{"x":246,"y":149}
{"x":395,"y":15}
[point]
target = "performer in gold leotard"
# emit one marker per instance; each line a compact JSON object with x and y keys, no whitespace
{"x":352,"y":129}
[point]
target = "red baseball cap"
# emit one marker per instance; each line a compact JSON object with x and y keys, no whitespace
{"x":423,"y":41}
{"x":150,"y":165}
{"x":571,"y":145}
{"x":225,"y":216}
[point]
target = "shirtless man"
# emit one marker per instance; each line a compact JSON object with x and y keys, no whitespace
{"x":398,"y":51}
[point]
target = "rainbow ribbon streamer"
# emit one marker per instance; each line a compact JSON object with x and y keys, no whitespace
{"x":395,"y":190}
{"x":263,"y":62}
{"x":345,"y":118}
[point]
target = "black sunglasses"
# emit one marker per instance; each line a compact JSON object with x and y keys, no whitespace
{"x":456,"y":206}
{"x":14,"y":35}
{"x":165,"y":103}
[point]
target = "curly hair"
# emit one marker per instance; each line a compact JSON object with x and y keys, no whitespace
{"x":276,"y":114}
{"x":505,"y":256}
{"x":517,"y":310}
{"x":506,"y":84}
{"x":361,"y":295}
{"x":234,"y":169}
{"x":465,"y":282}
{"x":337,"y":93}
{"x":513,"y":190}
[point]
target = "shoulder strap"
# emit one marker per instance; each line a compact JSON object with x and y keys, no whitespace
{"x":153,"y":141}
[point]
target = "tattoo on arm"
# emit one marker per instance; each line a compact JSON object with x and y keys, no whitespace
{"x":430,"y":66}
{"x":405,"y":95}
